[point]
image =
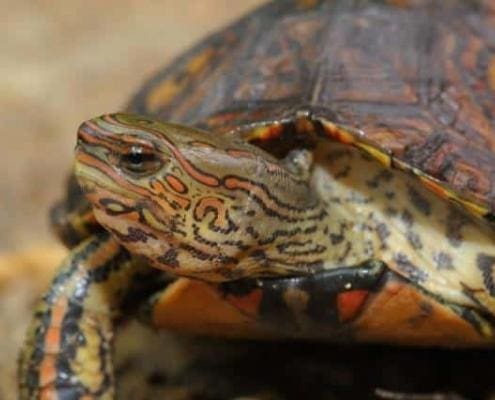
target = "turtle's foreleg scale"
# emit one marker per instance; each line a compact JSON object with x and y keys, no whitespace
{"x":67,"y":354}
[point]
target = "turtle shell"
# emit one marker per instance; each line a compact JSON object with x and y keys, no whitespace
{"x":412,"y":82}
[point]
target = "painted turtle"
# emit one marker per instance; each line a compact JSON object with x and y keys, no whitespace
{"x":329,"y":173}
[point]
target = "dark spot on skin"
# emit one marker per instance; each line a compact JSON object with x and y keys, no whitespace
{"x":293,"y":248}
{"x":251,"y":213}
{"x":369,"y":249}
{"x":260,"y":257}
{"x":419,"y":201}
{"x":335,"y":155}
{"x":383,"y":234}
{"x":363,"y":227}
{"x":133,"y":235}
{"x":169,"y":258}
{"x":252,"y":232}
{"x":410,"y":270}
{"x":389,"y":195}
{"x":347,"y":250}
{"x":344,"y":173}
{"x":391,"y":211}
{"x":138,"y":235}
{"x":485,"y":263}
{"x":236,"y":243}
{"x":278,"y":234}
{"x":426,"y":308}
{"x":336,"y":239}
{"x":382,"y":176}
{"x":407,"y":218}
{"x":425,"y":311}
{"x":443,"y":260}
{"x":311,"y":229}
{"x":373,"y":183}
{"x":414,"y":240}
{"x":260,"y":254}
{"x":455,"y":223}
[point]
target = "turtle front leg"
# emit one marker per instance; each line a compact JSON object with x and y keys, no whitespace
{"x":315,"y":305}
{"x":68,"y":350}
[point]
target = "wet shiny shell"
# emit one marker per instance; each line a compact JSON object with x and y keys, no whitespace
{"x":414,"y":79}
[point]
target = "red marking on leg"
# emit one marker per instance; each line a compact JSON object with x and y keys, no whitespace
{"x":349,"y":304}
{"x":248,"y":304}
{"x":48,"y":368}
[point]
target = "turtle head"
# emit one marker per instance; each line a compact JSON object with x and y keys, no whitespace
{"x":193,"y":203}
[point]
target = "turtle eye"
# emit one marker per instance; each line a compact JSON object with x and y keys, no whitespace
{"x":139,"y":161}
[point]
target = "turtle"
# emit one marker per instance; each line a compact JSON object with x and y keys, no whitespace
{"x":318,"y":170}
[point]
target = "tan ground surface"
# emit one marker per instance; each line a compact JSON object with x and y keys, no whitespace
{"x":63,"y":62}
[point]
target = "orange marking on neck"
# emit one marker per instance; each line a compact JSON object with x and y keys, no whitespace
{"x":176,"y":184}
{"x":350,"y":303}
{"x":208,"y":203}
{"x":201,"y":177}
{"x":160,"y":188}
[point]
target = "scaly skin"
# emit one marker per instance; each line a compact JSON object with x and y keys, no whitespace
{"x":79,"y":307}
{"x":68,"y":353}
{"x":203,"y":206}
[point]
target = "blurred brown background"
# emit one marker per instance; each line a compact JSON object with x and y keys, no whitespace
{"x":62,"y":62}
